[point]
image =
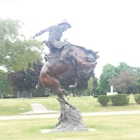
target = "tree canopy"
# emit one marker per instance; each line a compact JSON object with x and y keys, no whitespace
{"x":123,"y":82}
{"x":15,"y":51}
{"x":107,"y":73}
{"x":124,"y":78}
{"x":26,"y":80}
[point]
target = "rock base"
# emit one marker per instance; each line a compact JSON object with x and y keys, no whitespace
{"x":70,"y":119}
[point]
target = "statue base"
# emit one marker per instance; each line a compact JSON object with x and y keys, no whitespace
{"x":70,"y":119}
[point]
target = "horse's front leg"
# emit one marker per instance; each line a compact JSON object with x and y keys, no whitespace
{"x":39,"y":86}
{"x":76,"y":71}
{"x":75,"y":84}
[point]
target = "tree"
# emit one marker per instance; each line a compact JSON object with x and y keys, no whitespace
{"x":15,"y":51}
{"x":90,"y":85}
{"x":24,"y":53}
{"x":136,"y":75}
{"x":114,"y":74}
{"x":123,"y":82}
{"x":26,"y":80}
{"x":108,"y":72}
{"x":5,"y":87}
{"x":134,"y":71}
{"x":123,"y":67}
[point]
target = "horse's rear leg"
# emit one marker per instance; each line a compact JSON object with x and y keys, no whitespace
{"x":60,"y":93}
{"x":52,"y":83}
{"x":64,"y":92}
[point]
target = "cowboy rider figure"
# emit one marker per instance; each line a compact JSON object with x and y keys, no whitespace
{"x":55,"y":43}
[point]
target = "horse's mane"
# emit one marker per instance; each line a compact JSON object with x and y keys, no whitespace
{"x":88,"y":51}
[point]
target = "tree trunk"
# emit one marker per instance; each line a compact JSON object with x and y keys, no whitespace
{"x":86,"y":92}
{"x":17,"y":94}
{"x":30,"y":94}
{"x":137,"y":90}
{"x":82,"y":92}
{"x":73,"y":92}
{"x":79,"y":93}
{"x":1,"y":95}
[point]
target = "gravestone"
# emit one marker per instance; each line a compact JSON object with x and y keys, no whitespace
{"x":111,"y":91}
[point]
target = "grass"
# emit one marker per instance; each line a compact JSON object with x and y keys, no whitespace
{"x":14,"y":106}
{"x":84,"y":104}
{"x":119,"y":127}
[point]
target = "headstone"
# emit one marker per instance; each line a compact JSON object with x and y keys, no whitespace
{"x":111,"y":91}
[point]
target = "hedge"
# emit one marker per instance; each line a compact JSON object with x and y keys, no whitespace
{"x":137,"y":98}
{"x":119,"y":99}
{"x":103,"y":100}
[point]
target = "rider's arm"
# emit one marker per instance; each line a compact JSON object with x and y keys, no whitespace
{"x":45,"y":30}
{"x":41,"y":32}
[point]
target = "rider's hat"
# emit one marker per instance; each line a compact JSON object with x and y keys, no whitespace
{"x":65,"y":22}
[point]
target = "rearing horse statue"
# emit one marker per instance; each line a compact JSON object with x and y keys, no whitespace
{"x":85,"y":61}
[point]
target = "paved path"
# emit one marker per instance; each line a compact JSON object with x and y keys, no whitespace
{"x":38,"y":109}
{"x":57,"y":115}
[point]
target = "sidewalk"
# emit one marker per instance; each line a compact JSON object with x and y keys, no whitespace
{"x":38,"y":109}
{"x":57,"y":115}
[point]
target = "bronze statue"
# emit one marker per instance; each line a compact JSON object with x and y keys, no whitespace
{"x":53,"y":68}
{"x":62,"y":58}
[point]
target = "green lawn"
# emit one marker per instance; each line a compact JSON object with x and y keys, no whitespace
{"x":84,"y":104}
{"x":119,"y":127}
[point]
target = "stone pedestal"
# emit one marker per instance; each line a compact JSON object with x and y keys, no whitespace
{"x":70,"y":119}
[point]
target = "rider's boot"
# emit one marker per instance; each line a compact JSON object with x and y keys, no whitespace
{"x":73,"y":61}
{"x":75,"y":71}
{"x":45,"y":57}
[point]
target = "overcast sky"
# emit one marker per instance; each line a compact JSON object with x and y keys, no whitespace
{"x":111,"y":27}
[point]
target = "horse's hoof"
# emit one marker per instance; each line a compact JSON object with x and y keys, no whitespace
{"x":72,"y":86}
{"x":75,"y":84}
{"x":36,"y":87}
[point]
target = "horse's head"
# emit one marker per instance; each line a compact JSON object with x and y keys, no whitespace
{"x":86,"y":60}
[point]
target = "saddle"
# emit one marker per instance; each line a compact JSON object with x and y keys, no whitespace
{"x":54,"y":57}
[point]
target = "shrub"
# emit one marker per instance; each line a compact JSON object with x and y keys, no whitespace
{"x":119,"y":99}
{"x":137,"y":98}
{"x":103,"y":100}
